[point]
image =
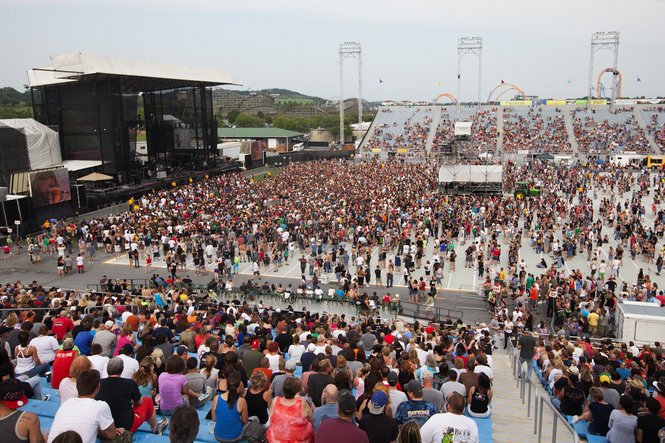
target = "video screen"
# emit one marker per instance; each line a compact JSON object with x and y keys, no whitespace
{"x":50,"y":187}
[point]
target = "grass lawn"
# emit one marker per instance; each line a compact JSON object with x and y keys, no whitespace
{"x":273,"y":173}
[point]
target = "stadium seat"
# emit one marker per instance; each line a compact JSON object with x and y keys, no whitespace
{"x":41,"y":408}
{"x":591,"y":438}
{"x":581,"y":428}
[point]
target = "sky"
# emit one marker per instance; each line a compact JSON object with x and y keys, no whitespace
{"x":409,"y":48}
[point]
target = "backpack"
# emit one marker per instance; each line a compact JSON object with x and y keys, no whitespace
{"x":438,"y":380}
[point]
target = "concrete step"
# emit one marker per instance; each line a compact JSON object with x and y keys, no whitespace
{"x":510,"y":422}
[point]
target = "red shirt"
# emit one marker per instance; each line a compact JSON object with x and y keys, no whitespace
{"x":63,"y":360}
{"x":61,"y":326}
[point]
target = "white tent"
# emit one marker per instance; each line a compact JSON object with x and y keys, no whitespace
{"x":42,"y":142}
{"x":462,"y":128}
{"x":471,"y":174}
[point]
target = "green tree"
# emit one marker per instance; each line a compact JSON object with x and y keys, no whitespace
{"x":232,"y":115}
{"x":249,"y":121}
{"x":290,"y":123}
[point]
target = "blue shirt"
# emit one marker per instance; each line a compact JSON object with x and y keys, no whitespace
{"x":418,"y":410}
{"x":82,"y":341}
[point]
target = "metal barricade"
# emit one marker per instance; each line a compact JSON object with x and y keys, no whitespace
{"x":556,"y":417}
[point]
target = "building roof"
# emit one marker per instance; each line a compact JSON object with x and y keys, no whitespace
{"x":256,"y":133}
{"x":74,"y":67}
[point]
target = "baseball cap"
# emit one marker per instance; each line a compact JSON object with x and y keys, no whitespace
{"x":109,"y":324}
{"x":12,"y":393}
{"x":290,"y":365}
{"x":68,"y":344}
{"x":378,"y":402}
{"x":660,"y":387}
{"x":415,"y":388}
{"x":311,"y":347}
{"x":604,"y":379}
{"x":181,"y":350}
{"x":5,"y":329}
{"x":346,"y":402}
{"x":255,"y":344}
{"x":392,"y":379}
{"x":573,"y":370}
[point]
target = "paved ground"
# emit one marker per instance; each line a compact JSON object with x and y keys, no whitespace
{"x":459,"y":289}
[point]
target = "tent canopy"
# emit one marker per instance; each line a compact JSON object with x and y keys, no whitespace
{"x":42,"y":142}
{"x":462,"y":128}
{"x":95,"y":177}
{"x":471,"y":174}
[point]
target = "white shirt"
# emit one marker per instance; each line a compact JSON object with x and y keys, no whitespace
{"x":99,"y":363}
{"x":481,"y":369}
{"x":463,"y":429}
{"x":46,"y":347}
{"x":296,"y":351}
{"x":130,"y":367}
{"x":85,"y":415}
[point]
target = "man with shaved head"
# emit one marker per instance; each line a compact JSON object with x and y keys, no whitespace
{"x":328,"y":408}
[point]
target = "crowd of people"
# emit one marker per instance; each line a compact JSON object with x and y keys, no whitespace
{"x":534,"y":133}
{"x":165,"y":350}
{"x":403,"y":138}
{"x":596,"y":137}
{"x":655,"y":126}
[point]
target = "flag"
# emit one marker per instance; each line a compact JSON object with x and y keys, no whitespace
{"x":439,"y":83}
{"x":569,"y":82}
{"x":380,"y":81}
{"x":501,"y":81}
{"x":639,"y":79}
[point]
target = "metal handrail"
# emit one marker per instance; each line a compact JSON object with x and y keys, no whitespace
{"x":557,"y":416}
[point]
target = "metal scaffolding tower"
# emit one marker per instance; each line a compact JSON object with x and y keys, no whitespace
{"x":604,"y":40}
{"x":349,"y":49}
{"x":469,"y":45}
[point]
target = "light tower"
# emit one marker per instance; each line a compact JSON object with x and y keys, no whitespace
{"x":349,"y":49}
{"x":604,"y":40}
{"x":469,"y":45}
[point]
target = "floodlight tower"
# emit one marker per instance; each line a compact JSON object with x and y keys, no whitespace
{"x":469,"y":45}
{"x":349,"y":49}
{"x":604,"y":40}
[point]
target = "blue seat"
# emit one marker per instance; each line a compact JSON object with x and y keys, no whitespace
{"x":581,"y":428}
{"x":484,"y":426}
{"x":591,"y":438}
{"x":41,"y":408}
{"x":148,"y":437}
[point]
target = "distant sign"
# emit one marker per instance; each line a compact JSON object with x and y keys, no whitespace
{"x":17,"y":222}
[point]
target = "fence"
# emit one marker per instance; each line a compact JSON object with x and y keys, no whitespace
{"x":104,"y":212}
{"x":539,"y":401}
{"x":417,"y":311}
{"x":133,"y":283}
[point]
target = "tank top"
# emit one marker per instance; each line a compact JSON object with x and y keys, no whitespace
{"x":479,"y":402}
{"x":274,"y":362}
{"x":257,"y":406}
{"x":8,"y":427}
{"x":228,"y":424}
{"x":288,"y":425}
{"x":24,"y":361}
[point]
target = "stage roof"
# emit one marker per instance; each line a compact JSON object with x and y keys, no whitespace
{"x":256,"y":133}
{"x":471,"y":174}
{"x":137,"y":75}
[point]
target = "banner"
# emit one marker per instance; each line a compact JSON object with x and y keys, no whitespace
{"x":556,"y":102}
{"x":593,"y":102}
{"x":402,"y":150}
{"x":516,"y":102}
{"x":50,"y":187}
{"x":376,"y":149}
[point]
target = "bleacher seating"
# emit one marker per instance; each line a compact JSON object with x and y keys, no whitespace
{"x":535,"y":129}
{"x":654,"y":117}
{"x":401,"y":127}
{"x":604,"y":132}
